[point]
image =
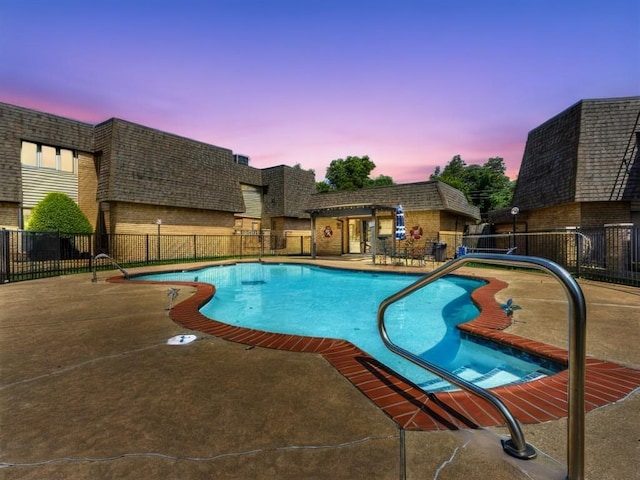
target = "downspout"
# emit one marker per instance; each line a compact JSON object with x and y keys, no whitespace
{"x":342,"y":235}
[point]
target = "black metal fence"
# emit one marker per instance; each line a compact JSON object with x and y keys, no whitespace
{"x":28,"y":255}
{"x":610,"y":254}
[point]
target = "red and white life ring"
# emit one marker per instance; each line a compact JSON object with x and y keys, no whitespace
{"x":416,"y":232}
{"x":328,"y":233}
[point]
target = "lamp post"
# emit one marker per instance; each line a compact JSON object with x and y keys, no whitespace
{"x":514,"y":214}
{"x":158,"y":222}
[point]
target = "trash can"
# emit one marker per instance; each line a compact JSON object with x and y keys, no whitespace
{"x":462,"y":251}
{"x":440,"y":251}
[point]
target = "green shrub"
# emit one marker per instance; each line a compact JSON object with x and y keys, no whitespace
{"x":58,"y":212}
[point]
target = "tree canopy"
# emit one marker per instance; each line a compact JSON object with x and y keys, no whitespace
{"x":58,"y":212}
{"x":351,"y":173}
{"x":486,"y":186}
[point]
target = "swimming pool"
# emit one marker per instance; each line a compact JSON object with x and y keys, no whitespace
{"x":331,"y":303}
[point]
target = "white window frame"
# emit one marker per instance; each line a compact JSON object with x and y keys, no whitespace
{"x":58,"y":158}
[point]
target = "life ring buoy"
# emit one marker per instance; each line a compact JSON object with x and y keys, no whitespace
{"x":416,"y":232}
{"x":328,"y":233}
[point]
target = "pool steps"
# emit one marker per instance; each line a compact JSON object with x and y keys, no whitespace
{"x":495,"y":377}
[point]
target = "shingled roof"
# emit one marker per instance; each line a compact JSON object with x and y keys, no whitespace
{"x":18,"y":124}
{"x":144,"y":165}
{"x":430,"y":195}
{"x":587,"y":153}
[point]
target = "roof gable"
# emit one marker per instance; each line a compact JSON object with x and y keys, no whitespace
{"x":431,"y":195}
{"x":580,"y":154}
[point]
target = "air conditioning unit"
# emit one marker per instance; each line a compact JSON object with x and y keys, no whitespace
{"x":241,"y":159}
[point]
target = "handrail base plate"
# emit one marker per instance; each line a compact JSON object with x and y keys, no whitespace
{"x":529,"y":452}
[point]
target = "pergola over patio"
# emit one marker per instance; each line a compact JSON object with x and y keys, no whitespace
{"x":350,"y":210}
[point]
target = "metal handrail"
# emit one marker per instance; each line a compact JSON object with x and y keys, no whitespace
{"x":577,"y":314}
{"x":95,"y":266}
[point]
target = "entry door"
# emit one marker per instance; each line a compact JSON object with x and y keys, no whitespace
{"x":358,"y":235}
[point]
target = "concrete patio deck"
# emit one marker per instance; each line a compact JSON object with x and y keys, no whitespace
{"x":90,"y":389}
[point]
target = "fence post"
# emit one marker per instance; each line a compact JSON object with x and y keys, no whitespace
{"x":195,"y":249}
{"x":5,"y":254}
{"x":578,"y":252}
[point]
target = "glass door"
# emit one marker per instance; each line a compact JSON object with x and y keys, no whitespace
{"x":358,"y":235}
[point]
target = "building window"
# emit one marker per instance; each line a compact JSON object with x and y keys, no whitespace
{"x":29,"y":154}
{"x":66,"y":160}
{"x":45,"y":156}
{"x":385,"y":226}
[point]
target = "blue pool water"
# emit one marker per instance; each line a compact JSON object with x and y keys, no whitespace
{"x":321,"y":302}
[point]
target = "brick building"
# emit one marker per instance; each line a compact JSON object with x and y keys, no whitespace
{"x":433,"y":211}
{"x":580,"y":169}
{"x":129,"y":178}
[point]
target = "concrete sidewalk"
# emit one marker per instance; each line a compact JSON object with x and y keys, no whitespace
{"x":90,"y":389}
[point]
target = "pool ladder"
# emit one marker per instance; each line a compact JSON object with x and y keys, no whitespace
{"x":95,"y":266}
{"x":516,"y":446}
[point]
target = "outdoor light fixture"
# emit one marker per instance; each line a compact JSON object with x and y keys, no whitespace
{"x":514,"y":212}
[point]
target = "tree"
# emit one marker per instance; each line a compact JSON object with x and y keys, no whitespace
{"x":58,"y":212}
{"x":381,"y":181}
{"x":351,"y":173}
{"x":322,"y":187}
{"x":453,"y":174}
{"x":486,"y":186}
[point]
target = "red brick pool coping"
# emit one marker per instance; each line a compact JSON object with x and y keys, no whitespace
{"x":532,"y":402}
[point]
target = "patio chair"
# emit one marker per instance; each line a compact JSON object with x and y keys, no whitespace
{"x":384,"y":249}
{"x":422,"y":254}
{"x":398,"y":255}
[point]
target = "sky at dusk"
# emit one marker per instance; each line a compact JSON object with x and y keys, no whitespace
{"x":411,"y":83}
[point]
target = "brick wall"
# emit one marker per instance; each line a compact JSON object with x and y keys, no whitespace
{"x":9,"y":215}
{"x":428,"y":221}
{"x":584,"y":215}
{"x":558,"y":216}
{"x":598,"y":214}
{"x":301,"y":226}
{"x":87,"y":187}
{"x":141,"y":219}
{"x":433,"y":224}
{"x":330,"y":243}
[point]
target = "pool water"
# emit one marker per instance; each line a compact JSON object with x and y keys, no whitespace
{"x":343,"y":304}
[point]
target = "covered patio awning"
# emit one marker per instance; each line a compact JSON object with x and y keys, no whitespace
{"x":350,"y":210}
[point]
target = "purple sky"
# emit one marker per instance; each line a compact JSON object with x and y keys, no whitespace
{"x":411,"y":83}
